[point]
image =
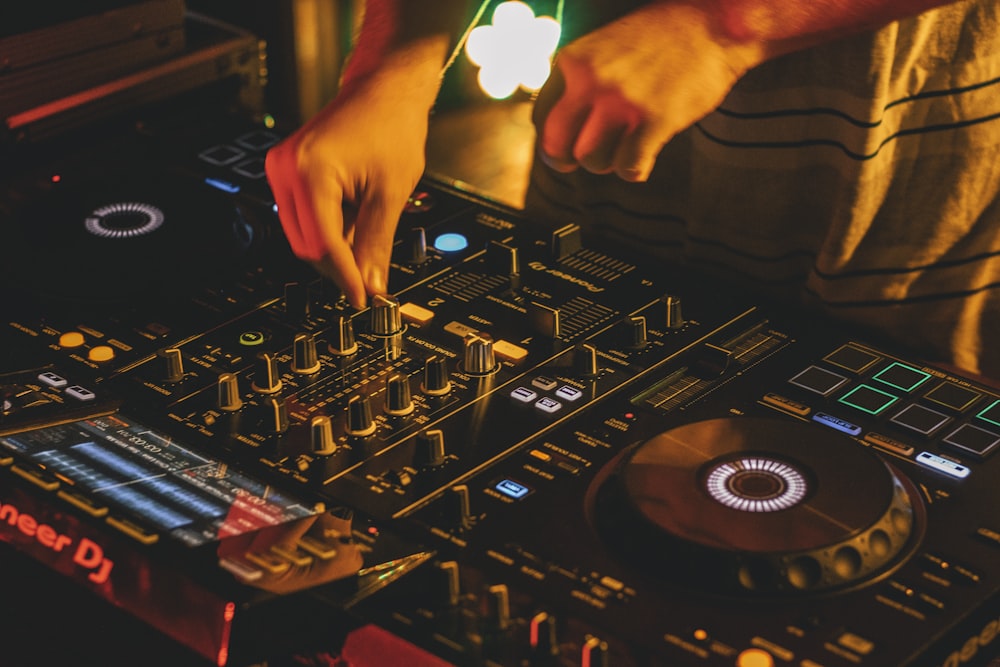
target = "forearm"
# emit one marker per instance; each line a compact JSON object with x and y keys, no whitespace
{"x":409,"y":40}
{"x":781,"y":26}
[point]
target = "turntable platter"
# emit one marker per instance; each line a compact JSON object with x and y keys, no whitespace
{"x":757,"y":506}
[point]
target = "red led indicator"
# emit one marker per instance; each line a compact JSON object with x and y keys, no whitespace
{"x":56,"y":178}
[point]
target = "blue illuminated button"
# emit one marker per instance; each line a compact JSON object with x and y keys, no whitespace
{"x":920,"y":419}
{"x":225,"y":186}
{"x":523,"y":394}
{"x":546,"y":404}
{"x":973,"y":440}
{"x":868,"y":399}
{"x":512,"y":489}
{"x":902,"y":377}
{"x":451,"y":242}
{"x":944,"y":465}
{"x":837,"y":423}
{"x":568,"y":393}
{"x":819,"y":380}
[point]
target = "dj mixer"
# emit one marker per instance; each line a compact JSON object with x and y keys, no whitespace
{"x":538,"y":448}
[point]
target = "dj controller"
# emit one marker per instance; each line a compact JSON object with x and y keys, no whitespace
{"x":537,"y":449}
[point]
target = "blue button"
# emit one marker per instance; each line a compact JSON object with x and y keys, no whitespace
{"x":451,"y":242}
{"x":837,"y":423}
{"x":940,"y":464}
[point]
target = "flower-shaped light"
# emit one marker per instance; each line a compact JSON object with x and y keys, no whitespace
{"x":515,"y":51}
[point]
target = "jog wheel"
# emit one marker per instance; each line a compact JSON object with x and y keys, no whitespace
{"x":757,"y":507}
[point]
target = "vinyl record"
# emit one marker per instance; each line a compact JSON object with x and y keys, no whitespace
{"x":116,"y":236}
{"x":757,"y":505}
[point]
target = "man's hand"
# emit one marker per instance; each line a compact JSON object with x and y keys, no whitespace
{"x":618,"y":94}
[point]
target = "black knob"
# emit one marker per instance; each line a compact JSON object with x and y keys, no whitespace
{"x":543,"y":638}
{"x":674,"y":318}
{"x":436,"y":381}
{"x":447,"y":587}
{"x":416,"y":246}
{"x":386,"y":318}
{"x":304,"y":358}
{"x":173,"y":364}
{"x":297,"y":301}
{"x":360,"y":422}
{"x":429,"y":452}
{"x":585,"y":360}
{"x":342,"y":343}
{"x":595,"y":653}
{"x":498,"y":607}
{"x":277,"y":414}
{"x":544,"y":320}
{"x":479,"y":356}
{"x":265,"y":377}
{"x":229,"y":393}
{"x":566,"y":241}
{"x":321,"y":436}
{"x":502,"y":259}
{"x":458,"y":507}
{"x":398,"y":401}
{"x":637,"y":336}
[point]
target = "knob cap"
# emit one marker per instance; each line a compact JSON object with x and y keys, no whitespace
{"x":304,"y":358}
{"x":674,"y":316}
{"x":386,"y":318}
{"x":277,"y":414}
{"x":429,"y":451}
{"x":265,"y":376}
{"x":479,"y":357}
{"x":502,"y":259}
{"x":321,"y":436}
{"x":343,"y":343}
{"x":637,"y":334}
{"x":436,"y":381}
{"x":360,"y":422}
{"x":566,"y":240}
{"x":398,"y":401}
{"x":229,"y":393}
{"x":173,"y":364}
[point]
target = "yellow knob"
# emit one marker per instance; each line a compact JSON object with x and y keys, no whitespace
{"x":101,"y":353}
{"x":71,"y":339}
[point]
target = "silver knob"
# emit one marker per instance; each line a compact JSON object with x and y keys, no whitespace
{"x":343,"y":343}
{"x":265,"y":377}
{"x":479,"y":357}
{"x":229,"y":393}
{"x":674,"y":316}
{"x":321,"y":436}
{"x":304,"y":358}
{"x":360,"y":422}
{"x":386,"y":318}
{"x":398,"y":401}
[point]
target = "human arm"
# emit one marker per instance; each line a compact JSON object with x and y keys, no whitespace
{"x":340,"y":181}
{"x":618,"y":94}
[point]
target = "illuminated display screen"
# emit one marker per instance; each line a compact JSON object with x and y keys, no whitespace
{"x":145,"y":475}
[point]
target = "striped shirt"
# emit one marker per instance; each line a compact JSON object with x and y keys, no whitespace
{"x":859,"y":177}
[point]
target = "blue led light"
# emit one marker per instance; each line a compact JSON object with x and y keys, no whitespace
{"x":225,"y":186}
{"x":451,"y":242}
{"x":509,"y":487}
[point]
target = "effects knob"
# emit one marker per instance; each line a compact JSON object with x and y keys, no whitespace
{"x":304,"y":358}
{"x":360,"y":422}
{"x":429,"y":452}
{"x":321,"y":436}
{"x":229,"y":399}
{"x":265,"y":377}
{"x":585,"y":360}
{"x":674,"y":317}
{"x":436,"y":381}
{"x":416,"y":246}
{"x":173,"y":364}
{"x":277,"y":414}
{"x":297,"y":301}
{"x":637,"y":335}
{"x":478,"y":354}
{"x":457,"y":506}
{"x":343,"y":343}
{"x":386,"y":318}
{"x":543,"y":638}
{"x":595,"y":653}
{"x":398,"y":401}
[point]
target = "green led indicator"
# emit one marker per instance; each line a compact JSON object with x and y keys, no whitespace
{"x":868,"y":399}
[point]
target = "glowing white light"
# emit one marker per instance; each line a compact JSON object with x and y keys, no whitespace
{"x":515,"y":51}
{"x":791,"y":485}
{"x":142,"y":219}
